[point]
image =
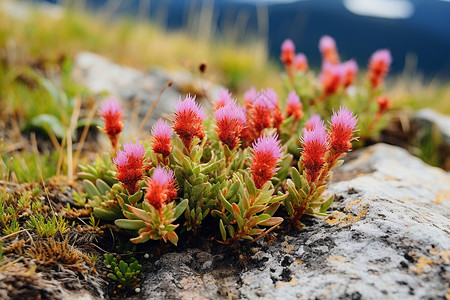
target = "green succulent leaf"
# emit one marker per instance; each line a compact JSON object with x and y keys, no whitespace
{"x":326,"y":204}
{"x":130,"y":224}
{"x":223,"y":232}
{"x":91,"y":189}
{"x":180,"y":208}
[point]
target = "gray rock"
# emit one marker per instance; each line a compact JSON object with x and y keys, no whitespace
{"x":431,"y":132}
{"x":387,"y":238}
{"x":427,"y":117}
{"x":138,"y":90}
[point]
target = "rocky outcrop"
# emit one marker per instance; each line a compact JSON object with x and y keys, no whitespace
{"x":387,"y":238}
{"x":138,"y":90}
{"x":432,"y":136}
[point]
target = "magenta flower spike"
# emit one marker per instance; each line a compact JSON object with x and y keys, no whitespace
{"x":342,"y":128}
{"x":223,"y":99}
{"x":112,"y":115}
{"x":266,"y":154}
{"x":130,"y":165}
{"x":188,"y":121}
{"x":313,"y":121}
{"x":294,"y":106}
{"x":230,"y":123}
{"x":162,"y":135}
{"x":326,"y":43}
{"x":315,"y":145}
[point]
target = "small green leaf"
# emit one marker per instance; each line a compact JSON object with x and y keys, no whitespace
{"x":135,"y":198}
{"x":212,"y":167}
{"x":104,"y":214}
{"x":222,"y":230}
{"x":231,"y":230}
{"x":91,"y":189}
{"x":263,"y":217}
{"x":250,"y":185}
{"x":112,"y":277}
{"x":288,"y":206}
{"x":296,"y":178}
{"x":326,"y":204}
{"x":272,"y":208}
{"x":225,"y":203}
{"x":102,"y":186}
{"x":273,"y":221}
{"x":180,"y":208}
{"x":49,"y":123}
{"x":130,"y":224}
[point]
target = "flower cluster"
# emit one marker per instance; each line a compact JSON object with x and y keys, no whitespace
{"x":238,"y":167}
{"x":337,"y":85}
{"x":293,"y":62}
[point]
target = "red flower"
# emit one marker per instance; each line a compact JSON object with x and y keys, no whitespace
{"x":162,"y":135}
{"x":161,"y":188}
{"x":266,"y":154}
{"x":383,"y":104}
{"x":112,"y":116}
{"x":230,"y":123}
{"x":188,"y":122}
{"x":327,"y":47}
{"x":223,"y":99}
{"x":130,"y":166}
{"x":331,"y":79}
{"x":342,"y":128}
{"x":301,"y":62}
{"x":379,"y":66}
{"x":315,"y":145}
{"x":287,"y":52}
{"x":349,"y":69}
{"x":294,"y":106}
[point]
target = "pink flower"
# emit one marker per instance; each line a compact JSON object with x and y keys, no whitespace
{"x":301,"y":62}
{"x":315,"y":145}
{"x":342,"y":128}
{"x":331,"y":79}
{"x":294,"y":106}
{"x":266,"y":154}
{"x":112,"y":116}
{"x":379,"y":65}
{"x":250,"y":95}
{"x":313,"y":121}
{"x":327,"y":47}
{"x":130,"y":166}
{"x":265,"y":99}
{"x":230,"y":123}
{"x":287,"y":52}
{"x":162,"y":134}
{"x":223,"y":99}
{"x":188,"y":121}
{"x":349,"y":69}
{"x":161,"y":188}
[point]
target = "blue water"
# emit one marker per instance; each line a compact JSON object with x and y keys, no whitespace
{"x":424,"y":34}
